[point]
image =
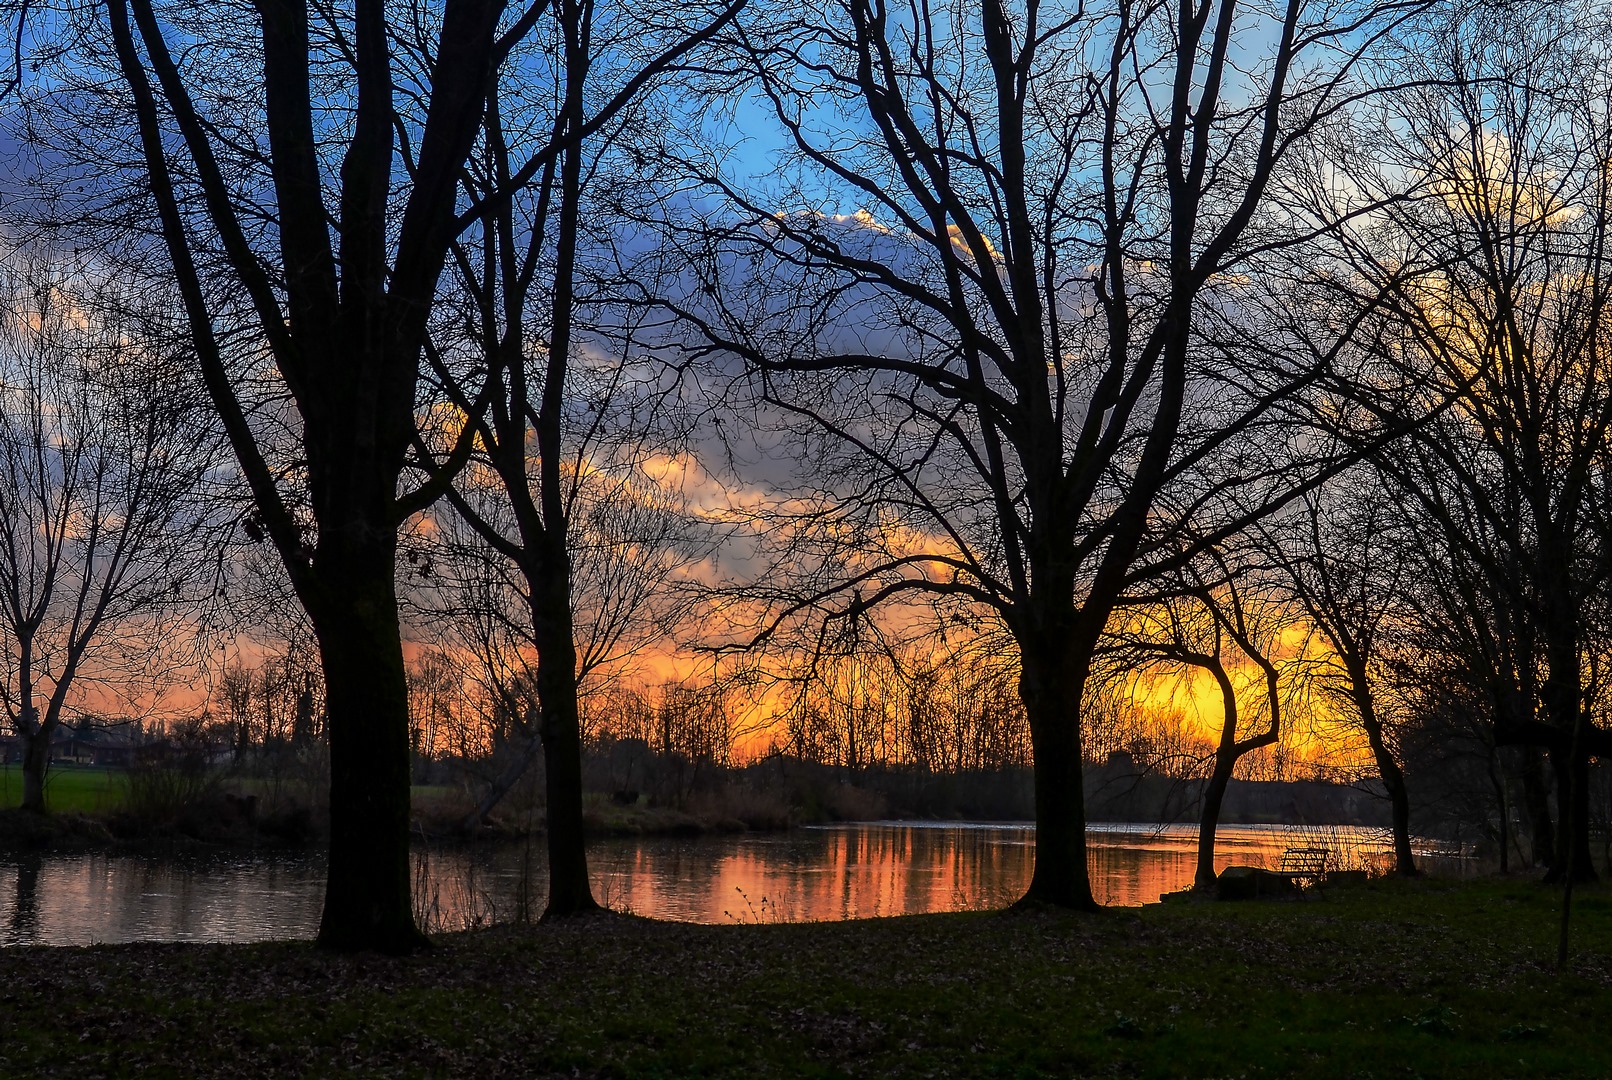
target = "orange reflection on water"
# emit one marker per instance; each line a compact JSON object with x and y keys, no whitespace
{"x":860,"y":871}
{"x":832,"y":872}
{"x":904,"y":868}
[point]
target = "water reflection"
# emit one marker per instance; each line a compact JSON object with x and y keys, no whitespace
{"x":840,"y":872}
{"x":833,"y":872}
{"x":85,"y":899}
{"x":24,"y":921}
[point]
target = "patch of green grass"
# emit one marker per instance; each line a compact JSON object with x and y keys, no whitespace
{"x":1397,"y":979}
{"x":83,"y":789}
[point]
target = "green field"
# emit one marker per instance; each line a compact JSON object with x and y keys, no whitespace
{"x":1392,"y":979}
{"x":80,"y":789}
{"x":98,"y":791}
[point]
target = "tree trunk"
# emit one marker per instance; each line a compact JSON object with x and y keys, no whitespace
{"x":1497,"y":777}
{"x":35,"y":763}
{"x":1214,"y":795}
{"x":367,"y":902}
{"x":1052,"y":706}
{"x":1562,"y":698}
{"x":1536,"y":802}
{"x":1573,"y":811}
{"x":569,"y":890}
{"x":1393,"y":778}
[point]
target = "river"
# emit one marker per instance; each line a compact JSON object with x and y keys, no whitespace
{"x":814,"y":873}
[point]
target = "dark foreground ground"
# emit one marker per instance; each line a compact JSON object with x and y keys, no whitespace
{"x":1382,"y":980}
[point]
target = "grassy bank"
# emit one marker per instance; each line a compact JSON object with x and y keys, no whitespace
{"x":69,"y":789}
{"x":92,"y":805}
{"x":1385,"y":980}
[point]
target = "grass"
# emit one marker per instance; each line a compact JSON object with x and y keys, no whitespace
{"x":83,"y":789}
{"x":99,"y":791}
{"x":1395,"y":979}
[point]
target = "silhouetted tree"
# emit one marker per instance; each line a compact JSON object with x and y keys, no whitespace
{"x":330,"y":185}
{"x":1342,"y":556}
{"x":1216,"y":612}
{"x":106,"y":455}
{"x":1504,"y":125}
{"x":994,"y":339}
{"x":521,"y":277}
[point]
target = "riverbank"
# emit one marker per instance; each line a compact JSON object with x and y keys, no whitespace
{"x":90,"y":810}
{"x":1384,"y":980}
{"x":94,"y":807}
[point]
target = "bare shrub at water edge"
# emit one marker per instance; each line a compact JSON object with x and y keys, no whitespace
{"x":847,"y":802}
{"x":755,"y":912}
{"x":453,"y":899}
{"x":993,"y":898}
{"x":741,"y":805}
{"x":611,"y":897}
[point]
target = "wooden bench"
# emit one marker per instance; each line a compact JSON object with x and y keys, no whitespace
{"x":1305,"y":866}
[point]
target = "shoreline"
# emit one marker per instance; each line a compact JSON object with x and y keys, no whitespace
{"x":76,"y":831}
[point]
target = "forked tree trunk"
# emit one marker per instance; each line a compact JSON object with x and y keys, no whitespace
{"x":367,"y":902}
{"x":346,"y":326}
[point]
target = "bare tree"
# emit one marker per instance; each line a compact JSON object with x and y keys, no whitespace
{"x":309,"y":198}
{"x":1343,"y":557}
{"x":994,"y":337}
{"x":1506,"y":130}
{"x":106,"y":455}
{"x":1219,"y":617}
{"x":525,"y":277}
{"x":629,"y":539}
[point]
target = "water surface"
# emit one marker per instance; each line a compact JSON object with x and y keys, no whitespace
{"x":830,"y":872}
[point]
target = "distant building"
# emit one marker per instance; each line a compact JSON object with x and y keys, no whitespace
{"x":91,"y":742}
{"x":115,"y":744}
{"x":111,"y":747}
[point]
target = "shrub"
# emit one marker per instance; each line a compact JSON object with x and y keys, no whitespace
{"x":173,"y":782}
